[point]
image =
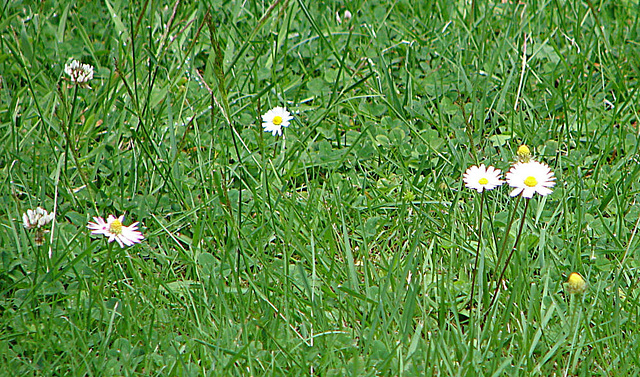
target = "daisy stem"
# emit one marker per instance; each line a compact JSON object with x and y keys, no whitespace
{"x":506,"y":264}
{"x":475,"y":266}
{"x":275,"y":149}
{"x":507,"y":231}
{"x":105,"y":268}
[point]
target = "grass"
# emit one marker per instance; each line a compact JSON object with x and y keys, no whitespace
{"x":347,"y":246}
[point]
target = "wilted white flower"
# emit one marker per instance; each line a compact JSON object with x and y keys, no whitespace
{"x":347,"y":16}
{"x":37,"y":218}
{"x":275,"y":119}
{"x":114,"y":230}
{"x":480,"y":178}
{"x":527,"y":178}
{"x":78,"y":72}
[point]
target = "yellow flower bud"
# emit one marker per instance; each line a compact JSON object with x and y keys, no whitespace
{"x":524,"y":153}
{"x":576,"y":284}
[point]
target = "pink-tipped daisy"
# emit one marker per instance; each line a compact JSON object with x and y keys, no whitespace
{"x":527,"y":178}
{"x":114,"y":230}
{"x":481,"y":178}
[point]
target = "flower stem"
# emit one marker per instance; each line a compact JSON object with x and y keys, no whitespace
{"x":475,"y":266}
{"x":507,"y":231}
{"x":506,"y":264}
{"x":106,"y":267}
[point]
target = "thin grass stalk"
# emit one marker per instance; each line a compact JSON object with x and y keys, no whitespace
{"x":69,"y":146}
{"x":507,"y":231}
{"x":506,"y":264}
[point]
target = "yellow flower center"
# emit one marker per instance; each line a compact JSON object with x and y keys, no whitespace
{"x":277,"y":120}
{"x":116,"y":227}
{"x":530,"y":181}
{"x":483,"y":181}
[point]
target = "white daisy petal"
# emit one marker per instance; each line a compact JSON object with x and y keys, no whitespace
{"x":515,"y":192}
{"x":99,"y":227}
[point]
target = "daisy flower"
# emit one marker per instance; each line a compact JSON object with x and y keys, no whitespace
{"x":527,"y":178}
{"x":37,"y":218}
{"x":480,"y":178}
{"x":275,"y":119}
{"x":78,"y":72}
{"x":113,"y":228}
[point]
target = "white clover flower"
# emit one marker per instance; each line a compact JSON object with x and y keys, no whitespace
{"x":480,"y":178}
{"x":275,"y":119}
{"x":527,"y":178}
{"x":113,"y":228}
{"x":37,"y":218}
{"x":79,"y":73}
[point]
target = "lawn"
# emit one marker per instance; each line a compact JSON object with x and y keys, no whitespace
{"x":346,"y":240}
